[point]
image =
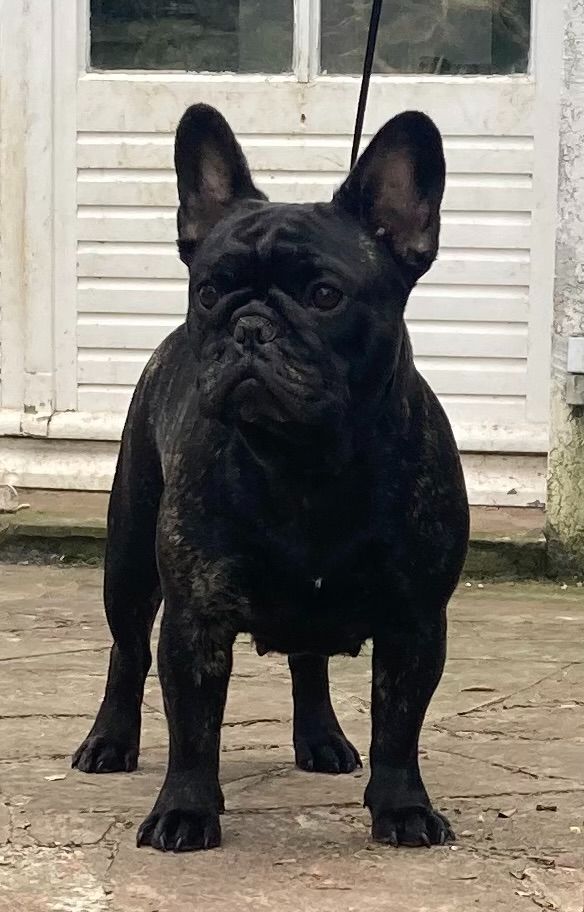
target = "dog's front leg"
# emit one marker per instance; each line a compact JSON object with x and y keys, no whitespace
{"x":195,"y":660}
{"x":407,"y":666}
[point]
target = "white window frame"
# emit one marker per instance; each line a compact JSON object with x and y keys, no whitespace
{"x":305,"y":51}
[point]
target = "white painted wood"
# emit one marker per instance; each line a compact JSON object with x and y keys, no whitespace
{"x":141,"y":261}
{"x":314,"y":38}
{"x":38,"y":230}
{"x":116,"y":376}
{"x":157,"y":224}
{"x":508,"y":437}
{"x":154,"y":102}
{"x":86,"y":426}
{"x":479,"y":322}
{"x":85,"y":465}
{"x":282,"y":152}
{"x":511,"y":481}
{"x":547,"y":58}
{"x":492,"y":479}
{"x":110,"y":336}
{"x":473,"y":193}
{"x":472,"y":319}
{"x":83,"y":37}
{"x":38,"y":152}
{"x":459,"y":303}
{"x":12,"y":196}
{"x":65,"y":36}
{"x":428,"y":302}
{"x":468,"y":318}
{"x":10,"y":419}
{"x":301,"y":47}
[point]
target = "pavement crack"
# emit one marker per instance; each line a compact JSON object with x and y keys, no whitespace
{"x":152,"y":708}
{"x":503,"y":699}
{"x":532,"y":794}
{"x":245,"y":723}
{"x":46,"y":655}
{"x":248,"y":747}
{"x":494,"y":763}
{"x":259,"y":777}
{"x":5,"y":716}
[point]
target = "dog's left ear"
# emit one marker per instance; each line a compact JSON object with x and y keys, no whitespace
{"x":212,"y":175}
{"x":395,"y":190}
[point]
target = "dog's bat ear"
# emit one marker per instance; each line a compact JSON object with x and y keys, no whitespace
{"x":396,"y":188}
{"x":212,"y":175}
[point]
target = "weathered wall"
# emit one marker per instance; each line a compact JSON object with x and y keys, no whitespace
{"x":566,"y":460}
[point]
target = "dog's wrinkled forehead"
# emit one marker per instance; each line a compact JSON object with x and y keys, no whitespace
{"x":292,"y":237}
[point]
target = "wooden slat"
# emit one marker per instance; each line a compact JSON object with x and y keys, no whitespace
{"x":462,"y":411}
{"x":474,"y":271}
{"x":468,"y":303}
{"x":127,"y":224}
{"x":122,"y":350}
{"x":485,"y":377}
{"x":111,"y":370}
{"x":103,"y":400}
{"x":130,"y":297}
{"x":155,"y":102}
{"x":472,"y":155}
{"x":111,"y":188}
{"x":428,"y":302}
{"x":482,"y":377}
{"x":493,"y":411}
{"x":120,"y":334}
{"x":160,"y":261}
{"x":467,"y":340}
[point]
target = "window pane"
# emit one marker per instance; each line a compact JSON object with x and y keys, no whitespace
{"x":455,"y":37}
{"x":241,"y":36}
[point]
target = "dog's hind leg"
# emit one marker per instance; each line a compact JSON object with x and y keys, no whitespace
{"x":132,"y":598}
{"x":319,"y":743}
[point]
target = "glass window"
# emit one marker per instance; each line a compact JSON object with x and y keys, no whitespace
{"x":241,"y":36}
{"x":441,"y":37}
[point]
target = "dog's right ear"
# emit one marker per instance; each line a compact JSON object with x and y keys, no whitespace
{"x":212,"y":175}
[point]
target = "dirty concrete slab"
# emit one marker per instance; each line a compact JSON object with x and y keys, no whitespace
{"x":501,"y":751}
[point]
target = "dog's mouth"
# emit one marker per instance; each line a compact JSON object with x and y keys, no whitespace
{"x":251,"y":401}
{"x":256,"y":392}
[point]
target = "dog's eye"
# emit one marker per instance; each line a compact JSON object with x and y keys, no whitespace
{"x":325,"y":297}
{"x":208,"y":295}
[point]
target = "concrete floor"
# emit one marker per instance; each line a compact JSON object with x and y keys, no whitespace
{"x":503,"y":757}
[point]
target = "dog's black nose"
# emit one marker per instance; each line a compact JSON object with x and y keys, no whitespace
{"x":250,"y":330}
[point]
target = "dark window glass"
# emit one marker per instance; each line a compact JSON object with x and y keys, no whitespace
{"x":441,"y":37}
{"x":241,"y":36}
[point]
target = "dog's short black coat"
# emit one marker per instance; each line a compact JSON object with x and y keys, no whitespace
{"x":285,"y":471}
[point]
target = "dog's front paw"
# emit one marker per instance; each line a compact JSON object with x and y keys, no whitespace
{"x":412,"y":826}
{"x":185,"y":817}
{"x":103,"y":754}
{"x":401,"y":810}
{"x":325,"y":751}
{"x":180,"y":830}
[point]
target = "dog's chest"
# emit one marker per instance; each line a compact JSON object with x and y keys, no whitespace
{"x":316,"y":584}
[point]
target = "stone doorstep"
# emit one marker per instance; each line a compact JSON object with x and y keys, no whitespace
{"x":506,"y":542}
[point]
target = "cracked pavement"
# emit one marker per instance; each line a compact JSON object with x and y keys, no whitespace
{"x":502,"y":753}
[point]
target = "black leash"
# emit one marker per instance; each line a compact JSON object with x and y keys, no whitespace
{"x":367,"y":67}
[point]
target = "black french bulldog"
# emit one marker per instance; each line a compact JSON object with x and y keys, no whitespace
{"x":285,"y":471}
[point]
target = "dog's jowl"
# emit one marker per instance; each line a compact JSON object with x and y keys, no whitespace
{"x":286,"y":472}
